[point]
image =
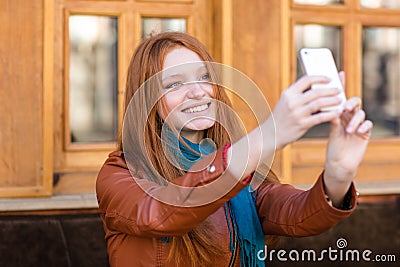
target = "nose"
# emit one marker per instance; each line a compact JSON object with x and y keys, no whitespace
{"x":195,"y":90}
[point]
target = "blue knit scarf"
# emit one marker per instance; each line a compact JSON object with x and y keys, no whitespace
{"x":242,"y":208}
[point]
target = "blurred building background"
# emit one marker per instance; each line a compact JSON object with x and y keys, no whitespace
{"x":62,"y":75}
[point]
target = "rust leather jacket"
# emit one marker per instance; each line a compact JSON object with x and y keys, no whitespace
{"x":135,"y":223}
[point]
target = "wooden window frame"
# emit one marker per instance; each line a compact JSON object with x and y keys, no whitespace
{"x":84,"y":146}
{"x":76,"y":164}
{"x":187,"y":17}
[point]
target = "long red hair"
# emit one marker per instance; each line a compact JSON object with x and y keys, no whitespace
{"x":197,"y":246}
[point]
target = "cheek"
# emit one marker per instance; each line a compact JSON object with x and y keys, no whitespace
{"x":171,"y":101}
{"x":210,"y":91}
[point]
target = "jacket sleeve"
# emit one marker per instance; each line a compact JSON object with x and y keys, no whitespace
{"x":285,"y":210}
{"x":126,"y":207}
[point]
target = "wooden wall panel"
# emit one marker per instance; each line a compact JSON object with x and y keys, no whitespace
{"x":21,"y":97}
{"x":256,"y":36}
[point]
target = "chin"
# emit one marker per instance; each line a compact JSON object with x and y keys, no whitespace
{"x":200,"y":124}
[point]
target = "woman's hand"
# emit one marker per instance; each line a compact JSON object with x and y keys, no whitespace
{"x":348,"y":140}
{"x":297,"y":109}
{"x":295,"y":113}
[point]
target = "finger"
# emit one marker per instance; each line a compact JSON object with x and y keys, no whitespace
{"x":352,"y":104}
{"x":322,"y":102}
{"x":346,"y":117}
{"x":313,"y":100}
{"x":357,"y":119}
{"x":321,"y":117}
{"x":365,"y":128}
{"x":305,"y":82}
{"x":342,"y":76}
{"x":316,"y":93}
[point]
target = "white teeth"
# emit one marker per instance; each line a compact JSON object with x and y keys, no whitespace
{"x":196,"y":109}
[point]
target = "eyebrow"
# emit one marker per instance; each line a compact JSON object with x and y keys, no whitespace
{"x":172,"y":76}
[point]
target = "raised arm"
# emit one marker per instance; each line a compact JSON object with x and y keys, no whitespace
{"x":295,"y":113}
{"x":285,"y":210}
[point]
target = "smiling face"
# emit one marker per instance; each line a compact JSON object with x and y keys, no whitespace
{"x":188,"y":93}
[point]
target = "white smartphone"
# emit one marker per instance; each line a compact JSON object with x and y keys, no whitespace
{"x":320,"y":61}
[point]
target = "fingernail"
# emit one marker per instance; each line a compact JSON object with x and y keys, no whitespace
{"x":349,"y":129}
{"x":362,"y":129}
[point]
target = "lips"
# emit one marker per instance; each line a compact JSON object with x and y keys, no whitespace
{"x":198,"y":108}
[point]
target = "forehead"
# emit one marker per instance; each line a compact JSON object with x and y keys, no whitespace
{"x":181,"y":59}
{"x":180,"y":55}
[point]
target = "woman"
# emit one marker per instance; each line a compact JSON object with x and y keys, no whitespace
{"x":190,"y":204}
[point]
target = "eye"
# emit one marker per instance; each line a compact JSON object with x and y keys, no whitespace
{"x":173,"y":85}
{"x":205,"y":77}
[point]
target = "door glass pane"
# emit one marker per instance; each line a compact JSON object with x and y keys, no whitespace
{"x":380,"y":3}
{"x":381,"y":79}
{"x":315,"y":36}
{"x":318,"y":2}
{"x":93,"y":78}
{"x":152,"y":26}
